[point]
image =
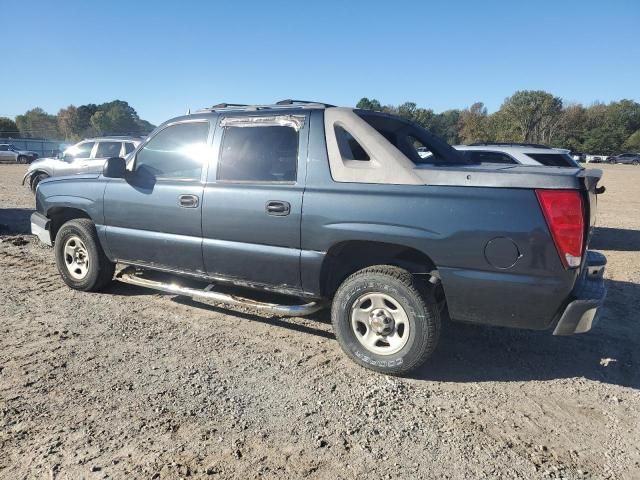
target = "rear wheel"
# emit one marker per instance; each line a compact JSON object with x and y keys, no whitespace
{"x":385,"y":320}
{"x":81,"y":261}
{"x":36,"y":180}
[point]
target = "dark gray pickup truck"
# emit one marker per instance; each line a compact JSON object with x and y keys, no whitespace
{"x":334,"y":206}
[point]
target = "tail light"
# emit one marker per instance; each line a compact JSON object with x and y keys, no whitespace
{"x":564,"y":213}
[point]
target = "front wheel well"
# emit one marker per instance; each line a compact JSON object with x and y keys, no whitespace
{"x":61,"y":215}
{"x":346,"y":258}
{"x":34,"y":174}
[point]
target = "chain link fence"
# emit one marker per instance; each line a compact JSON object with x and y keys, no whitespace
{"x":42,"y":146}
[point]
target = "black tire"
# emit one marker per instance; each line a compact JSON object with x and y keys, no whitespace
{"x":411,"y":294}
{"x":36,"y":180}
{"x":100,"y":270}
{"x":22,"y":160}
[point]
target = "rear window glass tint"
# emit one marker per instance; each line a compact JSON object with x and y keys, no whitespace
{"x":259,"y":154}
{"x":108,"y":149}
{"x":489,"y":157}
{"x":349,"y":147}
{"x":552,"y":159}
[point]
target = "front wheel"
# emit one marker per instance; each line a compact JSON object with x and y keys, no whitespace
{"x":81,"y":261}
{"x":385,"y":320}
{"x":22,"y":160}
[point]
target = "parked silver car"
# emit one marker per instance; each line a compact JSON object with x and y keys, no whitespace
{"x":10,"y":154}
{"x":87,"y":156}
{"x":626,"y":158}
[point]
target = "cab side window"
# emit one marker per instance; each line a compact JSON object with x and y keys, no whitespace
{"x":258,"y":154}
{"x":177,"y":152}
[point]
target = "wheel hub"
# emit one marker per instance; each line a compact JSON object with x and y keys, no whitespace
{"x":381,"y":321}
{"x":76,"y":258}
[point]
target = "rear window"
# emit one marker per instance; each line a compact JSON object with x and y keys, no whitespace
{"x":349,"y":147}
{"x":553,"y":159}
{"x":488,"y":157}
{"x":108,"y":149}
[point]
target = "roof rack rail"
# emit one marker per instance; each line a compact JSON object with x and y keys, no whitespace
{"x":227,"y":105}
{"x":281,"y":105}
{"x":510,"y":144}
{"x":290,"y":101}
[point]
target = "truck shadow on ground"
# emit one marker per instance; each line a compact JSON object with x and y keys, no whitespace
{"x":610,"y":353}
{"x":618,"y":239}
{"x":275,"y":321}
{"x":14,"y":221}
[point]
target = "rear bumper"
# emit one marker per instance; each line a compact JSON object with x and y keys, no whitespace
{"x":40,"y":228}
{"x":581,"y":314}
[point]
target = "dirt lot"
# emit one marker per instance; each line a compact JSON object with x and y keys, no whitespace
{"x":131,"y":384}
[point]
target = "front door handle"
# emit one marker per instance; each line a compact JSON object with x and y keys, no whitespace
{"x":278,"y":208}
{"x":188,"y":201}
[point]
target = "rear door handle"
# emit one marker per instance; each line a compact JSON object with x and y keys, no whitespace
{"x":188,"y":201}
{"x":278,"y":208}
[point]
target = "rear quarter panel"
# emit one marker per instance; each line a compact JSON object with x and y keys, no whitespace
{"x":451,"y":225}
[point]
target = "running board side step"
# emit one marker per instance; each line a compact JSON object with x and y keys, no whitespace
{"x":130,"y":275}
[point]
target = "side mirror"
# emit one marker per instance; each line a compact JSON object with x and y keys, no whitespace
{"x":115,"y":167}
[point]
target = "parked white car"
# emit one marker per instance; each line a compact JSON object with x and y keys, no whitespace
{"x":518,"y":153}
{"x":87,"y":156}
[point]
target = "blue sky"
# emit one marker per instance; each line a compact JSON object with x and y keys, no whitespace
{"x":166,"y":56}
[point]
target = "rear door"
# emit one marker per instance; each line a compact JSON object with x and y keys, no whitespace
{"x":252,"y":201}
{"x":104,"y":150}
{"x":153,"y":216}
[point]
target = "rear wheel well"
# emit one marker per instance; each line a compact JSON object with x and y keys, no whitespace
{"x":61,"y":215}
{"x":345,"y":258}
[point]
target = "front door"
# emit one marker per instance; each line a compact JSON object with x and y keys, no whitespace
{"x":153,"y":216}
{"x":75,"y":159}
{"x":252,"y":201}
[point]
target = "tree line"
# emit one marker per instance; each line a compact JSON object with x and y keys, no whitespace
{"x":529,"y":116}
{"x":532,"y":116}
{"x":75,"y":123}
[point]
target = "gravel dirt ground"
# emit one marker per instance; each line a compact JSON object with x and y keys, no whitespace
{"x":133,"y":384}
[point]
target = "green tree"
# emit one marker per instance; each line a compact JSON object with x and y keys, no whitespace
{"x":366,"y":104}
{"x":37,"y":123}
{"x":533,"y":113}
{"x":69,"y":123}
{"x":632,"y":143}
{"x":572,"y":128}
{"x":8,"y":128}
{"x":473,"y":124}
